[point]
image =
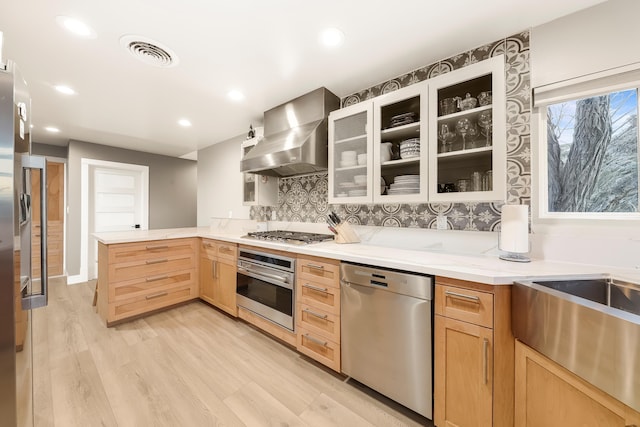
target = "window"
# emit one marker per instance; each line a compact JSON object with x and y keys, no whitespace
{"x":592,"y":156}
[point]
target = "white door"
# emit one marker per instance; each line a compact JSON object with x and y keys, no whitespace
{"x":115,"y":198}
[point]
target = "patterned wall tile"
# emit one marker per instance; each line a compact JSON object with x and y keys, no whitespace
{"x":305,"y":198}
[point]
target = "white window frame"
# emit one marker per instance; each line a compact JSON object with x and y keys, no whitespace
{"x":603,"y":83}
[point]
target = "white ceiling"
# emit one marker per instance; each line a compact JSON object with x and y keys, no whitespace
{"x":267,"y":48}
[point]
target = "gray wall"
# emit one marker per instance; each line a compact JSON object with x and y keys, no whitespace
{"x":220,"y":181}
{"x":592,"y":40}
{"x":172,"y":190}
{"x":49,"y":150}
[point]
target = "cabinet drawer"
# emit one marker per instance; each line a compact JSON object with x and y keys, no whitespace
{"x":139,"y":251}
{"x":152,"y":301}
{"x":150,"y":284}
{"x":208,"y":248}
{"x":326,"y":298}
{"x":465,"y":304}
{"x":319,"y":348}
{"x":228,"y":251}
{"x":319,"y":270}
{"x":221,"y":250}
{"x":150,"y":267}
{"x":318,"y":322}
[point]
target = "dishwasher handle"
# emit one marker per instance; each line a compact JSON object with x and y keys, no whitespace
{"x":399,"y":282}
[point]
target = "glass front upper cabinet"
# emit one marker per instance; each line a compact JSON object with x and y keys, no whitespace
{"x":399,"y":158}
{"x":467,"y":142}
{"x":257,"y":190}
{"x":350,"y":156}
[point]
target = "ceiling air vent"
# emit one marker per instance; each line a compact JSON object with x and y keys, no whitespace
{"x":149,"y":51}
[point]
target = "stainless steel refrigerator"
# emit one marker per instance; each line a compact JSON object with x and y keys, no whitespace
{"x":19,"y":294}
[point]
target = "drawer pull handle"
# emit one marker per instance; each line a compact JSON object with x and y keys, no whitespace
{"x":462,"y":296}
{"x":485,"y":362}
{"x":157,"y":261}
{"x":314,"y":314}
{"x":315,"y":288}
{"x":158,"y":295}
{"x":316,"y":266}
{"x":208,"y":245}
{"x":315,"y":340}
{"x":157,"y":247}
{"x":156,"y":278}
{"x":224,"y":249}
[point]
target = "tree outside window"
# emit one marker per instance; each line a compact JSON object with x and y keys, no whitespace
{"x":592,"y":154}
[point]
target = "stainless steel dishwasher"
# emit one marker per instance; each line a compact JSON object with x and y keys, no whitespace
{"x":387,"y":318}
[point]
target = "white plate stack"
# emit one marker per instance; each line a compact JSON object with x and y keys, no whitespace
{"x":405,"y":184}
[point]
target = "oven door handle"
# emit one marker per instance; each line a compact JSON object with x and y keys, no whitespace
{"x":282,"y":281}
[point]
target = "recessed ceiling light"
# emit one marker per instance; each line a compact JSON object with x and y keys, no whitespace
{"x":52,"y":129}
{"x":331,"y":37}
{"x":235,"y":95}
{"x":65,"y":90}
{"x":184,"y":123}
{"x":76,"y":27}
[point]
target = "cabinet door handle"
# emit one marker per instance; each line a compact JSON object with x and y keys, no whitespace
{"x":156,"y":261}
{"x":319,"y":316}
{"x":157,"y":247}
{"x":471,"y":298}
{"x":159,"y":294}
{"x":214,"y":269}
{"x":315,"y":340}
{"x":485,"y":361}
{"x":315,"y":288}
{"x":156,"y":278}
{"x":316,"y":266}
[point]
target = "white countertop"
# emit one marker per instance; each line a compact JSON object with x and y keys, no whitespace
{"x":477,"y":268}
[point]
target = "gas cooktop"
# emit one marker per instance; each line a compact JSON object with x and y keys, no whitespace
{"x":294,"y":237}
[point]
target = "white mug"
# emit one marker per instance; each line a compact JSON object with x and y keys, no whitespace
{"x":385,"y":152}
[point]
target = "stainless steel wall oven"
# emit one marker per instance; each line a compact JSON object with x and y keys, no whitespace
{"x":266,"y":285}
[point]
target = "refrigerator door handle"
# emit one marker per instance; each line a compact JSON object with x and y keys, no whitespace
{"x":41,"y":299}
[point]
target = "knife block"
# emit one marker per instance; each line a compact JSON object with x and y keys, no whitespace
{"x":346,"y":233}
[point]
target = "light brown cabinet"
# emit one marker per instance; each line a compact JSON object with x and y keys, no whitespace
{"x":136,"y":278}
{"x":318,"y":309}
{"x":218,"y":274}
{"x":547,"y":395}
{"x":473,"y":381}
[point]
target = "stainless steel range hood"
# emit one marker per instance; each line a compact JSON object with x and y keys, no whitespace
{"x":295,"y":137}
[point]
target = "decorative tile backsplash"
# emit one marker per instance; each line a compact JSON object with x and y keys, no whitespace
{"x":305,"y":198}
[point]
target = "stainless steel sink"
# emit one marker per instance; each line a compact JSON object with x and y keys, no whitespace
{"x":613,"y":293}
{"x":591,"y":326}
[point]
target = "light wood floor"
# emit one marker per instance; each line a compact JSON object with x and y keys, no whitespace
{"x":188,"y":366}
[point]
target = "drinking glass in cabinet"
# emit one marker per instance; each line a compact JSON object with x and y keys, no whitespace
{"x":472,"y":133}
{"x":462,"y":127}
{"x":446,"y":138}
{"x":484,"y":98}
{"x":449,"y":105}
{"x":486,"y":124}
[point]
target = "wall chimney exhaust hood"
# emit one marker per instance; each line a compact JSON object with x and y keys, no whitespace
{"x":295,"y":137}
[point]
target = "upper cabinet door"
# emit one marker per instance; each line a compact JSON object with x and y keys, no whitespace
{"x":399,"y":159}
{"x":467,"y":143}
{"x":350,"y":156}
